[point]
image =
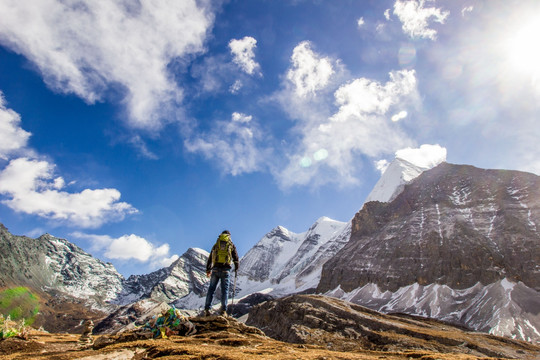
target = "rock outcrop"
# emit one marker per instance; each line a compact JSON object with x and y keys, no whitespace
{"x":343,"y":326}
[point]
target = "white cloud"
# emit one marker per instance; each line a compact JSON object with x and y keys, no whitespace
{"x":399,"y":116}
{"x":466,"y":10}
{"x":235,"y":88}
{"x":32,"y":188}
{"x":234,"y":144}
{"x":382,"y":165}
{"x":128,"y":247}
{"x":243,"y":55}
{"x":212,"y":73}
{"x":14,"y":138}
{"x":415,"y":17}
{"x":87,"y":47}
{"x":138,"y":143}
{"x":360,"y":22}
{"x":426,"y":156}
{"x":310,"y":72}
{"x":359,"y":127}
{"x":387,"y":14}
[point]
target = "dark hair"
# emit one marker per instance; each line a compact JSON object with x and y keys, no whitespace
{"x":226,"y":232}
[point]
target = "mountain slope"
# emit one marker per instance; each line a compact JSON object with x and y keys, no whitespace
{"x":53,"y":265}
{"x":339,"y":325}
{"x":187,"y":275}
{"x":456,"y":226}
{"x":284,"y":262}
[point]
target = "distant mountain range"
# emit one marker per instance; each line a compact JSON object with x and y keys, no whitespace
{"x":454,"y":242}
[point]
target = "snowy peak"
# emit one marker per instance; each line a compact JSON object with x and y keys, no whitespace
{"x":399,"y":173}
{"x":187,"y":274}
{"x":284,"y":262}
{"x":325,"y":227}
{"x":269,"y":254}
{"x":408,"y":165}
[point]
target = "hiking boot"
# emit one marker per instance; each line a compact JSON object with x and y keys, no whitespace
{"x":206,"y":312}
{"x":222,"y":312}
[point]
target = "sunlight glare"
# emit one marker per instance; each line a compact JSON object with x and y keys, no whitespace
{"x":523,"y":48}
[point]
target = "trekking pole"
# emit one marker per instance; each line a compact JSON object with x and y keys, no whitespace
{"x":234,"y":288}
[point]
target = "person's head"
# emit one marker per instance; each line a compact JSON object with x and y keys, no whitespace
{"x":226,"y":232}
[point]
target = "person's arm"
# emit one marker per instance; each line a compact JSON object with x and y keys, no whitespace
{"x":235,"y":258}
{"x":209,"y":263}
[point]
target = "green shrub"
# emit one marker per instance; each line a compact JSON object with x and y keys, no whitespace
{"x":19,"y":303}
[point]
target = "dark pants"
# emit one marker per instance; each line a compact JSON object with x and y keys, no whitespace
{"x":223,"y":276}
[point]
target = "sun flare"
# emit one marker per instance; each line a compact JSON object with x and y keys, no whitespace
{"x":523,"y":47}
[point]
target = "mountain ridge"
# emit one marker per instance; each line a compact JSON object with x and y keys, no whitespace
{"x":453,"y":223}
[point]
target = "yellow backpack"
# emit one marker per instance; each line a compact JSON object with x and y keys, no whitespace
{"x":223,"y":250}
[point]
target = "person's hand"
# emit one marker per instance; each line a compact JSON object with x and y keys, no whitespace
{"x":208,"y":273}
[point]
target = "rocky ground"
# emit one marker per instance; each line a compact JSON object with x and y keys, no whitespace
{"x":295,"y":327}
{"x":228,"y":340}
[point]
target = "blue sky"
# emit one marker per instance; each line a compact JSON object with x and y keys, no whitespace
{"x":138,"y":129}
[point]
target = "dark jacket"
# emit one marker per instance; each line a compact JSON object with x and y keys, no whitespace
{"x":210,"y":265}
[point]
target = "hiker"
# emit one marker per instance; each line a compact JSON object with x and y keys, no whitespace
{"x":218,"y":268}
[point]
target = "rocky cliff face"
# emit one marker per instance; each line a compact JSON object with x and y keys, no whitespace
{"x":185,"y":276}
{"x":459,"y":243}
{"x":54,"y":265}
{"x":455,"y":225}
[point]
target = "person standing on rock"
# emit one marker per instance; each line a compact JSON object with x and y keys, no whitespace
{"x":218,"y":268}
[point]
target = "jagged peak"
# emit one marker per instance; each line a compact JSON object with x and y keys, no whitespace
{"x":279,"y":231}
{"x":195,"y":250}
{"x":407,"y":165}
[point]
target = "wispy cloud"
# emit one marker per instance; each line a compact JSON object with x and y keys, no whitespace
{"x":138,"y":143}
{"x":330,"y":147}
{"x":14,"y":138}
{"x":130,"y":247}
{"x":415,"y":18}
{"x":234,"y":144}
{"x":88,"y":47}
{"x":466,"y":10}
{"x":243,"y":54}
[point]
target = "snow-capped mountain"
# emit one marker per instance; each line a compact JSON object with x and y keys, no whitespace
{"x":401,"y":171}
{"x":457,"y":243}
{"x":54,"y":265}
{"x":187,"y":275}
{"x":502,"y":308}
{"x":284,"y":262}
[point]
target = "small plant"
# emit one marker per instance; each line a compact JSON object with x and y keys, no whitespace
{"x":10,"y":328}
